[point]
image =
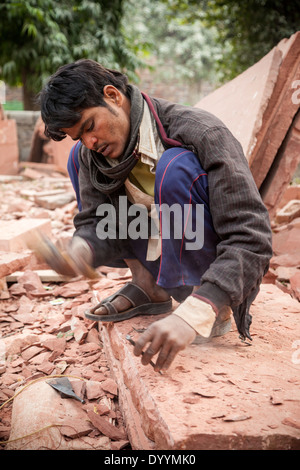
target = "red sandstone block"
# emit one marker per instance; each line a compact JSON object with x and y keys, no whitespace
{"x":281,"y":110}
{"x":275,"y":193}
{"x":12,"y":262}
{"x":15,"y":234}
{"x":289,"y":212}
{"x":216,"y":395}
{"x":58,"y":152}
{"x":9,"y":150}
{"x":295,"y":284}
{"x":291,"y":192}
{"x":258,"y":105}
{"x":240,"y":103}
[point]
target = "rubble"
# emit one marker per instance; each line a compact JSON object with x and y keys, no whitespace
{"x":226,"y":394}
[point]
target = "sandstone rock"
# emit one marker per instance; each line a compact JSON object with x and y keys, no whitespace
{"x":72,"y":289}
{"x":15,"y":234}
{"x":94,"y":390}
{"x":276,"y":191}
{"x":289,"y":212}
{"x":11,"y":262}
{"x":158,"y":410}
{"x":46,"y":399}
{"x":105,"y":427}
{"x":295,"y":284}
{"x":9,"y":149}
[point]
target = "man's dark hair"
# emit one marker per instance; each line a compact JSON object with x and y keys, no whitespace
{"x":73,"y":88}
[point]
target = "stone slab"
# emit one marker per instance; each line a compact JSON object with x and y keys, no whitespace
{"x":31,"y":417}
{"x":45,"y":275}
{"x":258,"y":106}
{"x":15,"y":234}
{"x":291,"y":192}
{"x":50,"y":151}
{"x":219,"y":395}
{"x":283,"y":169}
{"x":51,"y":202}
{"x":11,"y":262}
{"x":9,"y":150}
{"x":240,"y":103}
{"x":281,"y":110}
{"x":289,"y":212}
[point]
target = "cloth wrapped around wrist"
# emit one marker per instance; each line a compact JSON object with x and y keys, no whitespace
{"x":198,"y":314}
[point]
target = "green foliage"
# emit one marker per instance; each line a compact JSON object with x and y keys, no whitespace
{"x":38,"y":36}
{"x":13,"y":106}
{"x":186,"y":51}
{"x":247,"y":29}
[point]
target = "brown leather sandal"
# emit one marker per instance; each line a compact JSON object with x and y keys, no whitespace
{"x":141,"y":305}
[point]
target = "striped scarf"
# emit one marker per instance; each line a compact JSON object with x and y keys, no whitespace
{"x":108,"y":179}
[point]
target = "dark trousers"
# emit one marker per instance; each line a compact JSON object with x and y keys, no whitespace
{"x":188,"y":239}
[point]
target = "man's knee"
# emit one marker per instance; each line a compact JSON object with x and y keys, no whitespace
{"x":175,"y":172}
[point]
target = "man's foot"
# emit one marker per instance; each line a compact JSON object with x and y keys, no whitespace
{"x":143,"y":279}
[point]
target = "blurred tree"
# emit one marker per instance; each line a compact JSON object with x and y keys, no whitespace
{"x":37,"y":36}
{"x":179,"y":50}
{"x":249,"y":28}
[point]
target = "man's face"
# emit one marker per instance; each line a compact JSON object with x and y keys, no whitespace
{"x":105,"y":129}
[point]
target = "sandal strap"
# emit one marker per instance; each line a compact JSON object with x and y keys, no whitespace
{"x":111,"y":309}
{"x":135,"y":294}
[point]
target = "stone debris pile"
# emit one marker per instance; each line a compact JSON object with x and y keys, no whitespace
{"x":43,"y":331}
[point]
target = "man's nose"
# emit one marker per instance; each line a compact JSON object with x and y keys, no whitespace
{"x":90,"y":141}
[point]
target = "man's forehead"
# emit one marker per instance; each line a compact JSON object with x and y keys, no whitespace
{"x":77,"y":130}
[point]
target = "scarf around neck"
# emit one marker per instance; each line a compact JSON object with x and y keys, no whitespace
{"x":108,"y":179}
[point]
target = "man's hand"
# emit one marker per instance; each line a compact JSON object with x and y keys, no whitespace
{"x":80,"y":253}
{"x":166,"y":337}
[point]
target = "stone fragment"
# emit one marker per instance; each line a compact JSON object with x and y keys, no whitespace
{"x":289,"y":212}
{"x":286,"y":243}
{"x":46,"y":367}
{"x":295,"y":284}
{"x":15,"y":234}
{"x":109,"y":385}
{"x":80,"y":333}
{"x":11,"y":262}
{"x":75,"y":427}
{"x":50,"y":412}
{"x":236,"y":418}
{"x":291,"y":422}
{"x":105,"y":427}
{"x":54,"y":201}
{"x":9,"y":149}
{"x":94,"y":390}
{"x":290,"y":192}
{"x":276,"y":192}
{"x":30,"y":282}
{"x":72,"y":289}
{"x":55,"y":344}
{"x":30,"y":352}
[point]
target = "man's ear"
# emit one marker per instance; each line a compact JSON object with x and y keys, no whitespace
{"x":113,"y":94}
